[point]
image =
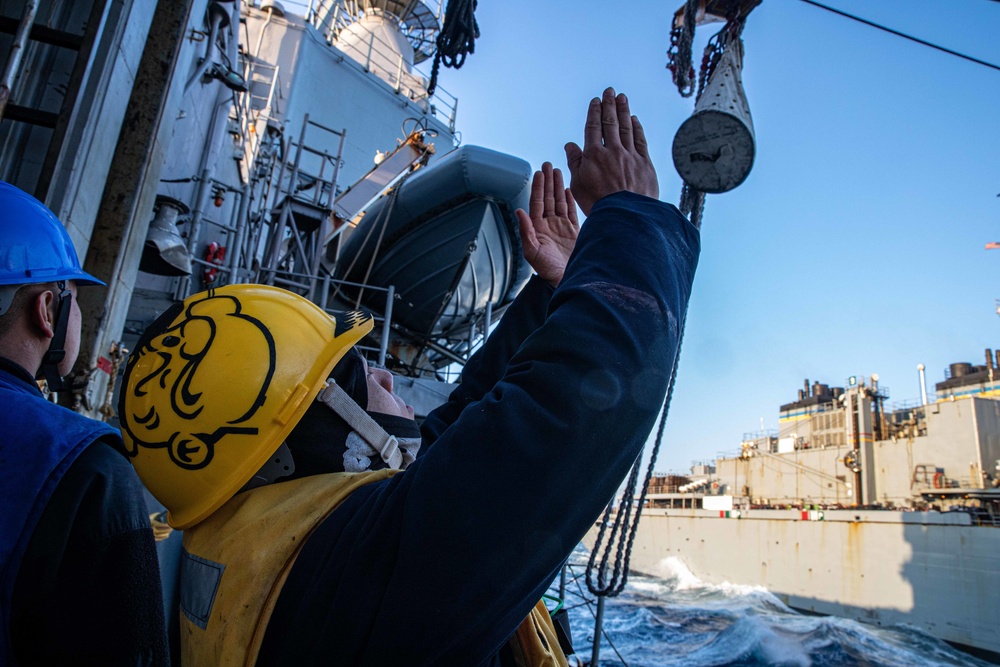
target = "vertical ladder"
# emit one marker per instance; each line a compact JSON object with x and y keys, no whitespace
{"x":305,"y":195}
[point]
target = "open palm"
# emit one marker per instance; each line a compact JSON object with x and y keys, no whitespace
{"x":550,"y":227}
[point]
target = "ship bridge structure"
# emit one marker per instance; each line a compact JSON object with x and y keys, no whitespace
{"x":842,"y":446}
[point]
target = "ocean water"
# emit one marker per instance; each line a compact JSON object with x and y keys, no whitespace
{"x":680,"y":620}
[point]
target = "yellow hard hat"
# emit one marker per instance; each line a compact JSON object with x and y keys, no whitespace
{"x":217,"y":383}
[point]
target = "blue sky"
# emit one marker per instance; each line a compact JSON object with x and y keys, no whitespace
{"x":855,"y":245}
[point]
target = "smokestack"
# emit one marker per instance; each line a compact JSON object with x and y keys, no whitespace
{"x":806,"y":387}
{"x":923,"y":384}
{"x":989,"y":358}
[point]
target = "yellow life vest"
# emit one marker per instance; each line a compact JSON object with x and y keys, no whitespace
{"x":226,"y":625}
{"x":251,"y":543}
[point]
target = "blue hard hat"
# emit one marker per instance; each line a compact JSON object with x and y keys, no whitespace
{"x":34,"y":245}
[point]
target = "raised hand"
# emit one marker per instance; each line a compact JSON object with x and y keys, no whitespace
{"x":550,"y":228}
{"x":615,"y":156}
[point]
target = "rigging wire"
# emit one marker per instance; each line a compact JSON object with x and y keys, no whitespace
{"x":589,"y":602}
{"x":904,"y":35}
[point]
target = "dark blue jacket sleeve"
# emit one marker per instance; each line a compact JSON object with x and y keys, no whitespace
{"x":489,"y":363}
{"x":88,"y":591}
{"x":439,"y":565}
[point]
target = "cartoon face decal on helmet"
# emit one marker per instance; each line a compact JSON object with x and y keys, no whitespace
{"x":182,"y":362}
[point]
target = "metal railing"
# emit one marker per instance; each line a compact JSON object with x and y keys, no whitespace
{"x":381,"y":59}
{"x":753,"y":436}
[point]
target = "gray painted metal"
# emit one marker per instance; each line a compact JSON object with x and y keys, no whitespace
{"x":93,"y":129}
{"x":13,"y":66}
{"x":123,"y":218}
{"x":449,"y":241}
{"x":959,"y":439}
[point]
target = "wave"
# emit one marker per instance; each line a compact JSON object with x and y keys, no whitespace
{"x":680,"y":620}
{"x":678,"y":583}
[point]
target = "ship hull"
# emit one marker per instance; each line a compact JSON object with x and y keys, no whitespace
{"x":936,"y":572}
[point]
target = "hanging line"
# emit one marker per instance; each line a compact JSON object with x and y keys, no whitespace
{"x":904,"y":35}
{"x":692,"y":204}
{"x":623,"y":525}
{"x":456,"y":40}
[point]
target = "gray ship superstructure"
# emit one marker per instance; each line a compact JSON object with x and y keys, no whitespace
{"x":193,"y":144}
{"x":886,"y":516}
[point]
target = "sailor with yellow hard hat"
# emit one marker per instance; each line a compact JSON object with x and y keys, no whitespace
{"x":323,"y":526}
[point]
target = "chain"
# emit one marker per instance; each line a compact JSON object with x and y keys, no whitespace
{"x":679,"y":60}
{"x":709,"y":59}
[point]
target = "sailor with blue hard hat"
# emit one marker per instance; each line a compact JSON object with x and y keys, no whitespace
{"x":35,"y":249}
{"x":79,"y":582}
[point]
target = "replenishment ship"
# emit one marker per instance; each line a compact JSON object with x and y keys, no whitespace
{"x":883,"y":515}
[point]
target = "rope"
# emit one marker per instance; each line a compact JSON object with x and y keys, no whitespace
{"x":692,"y":204}
{"x":623,"y":544}
{"x":457,"y":38}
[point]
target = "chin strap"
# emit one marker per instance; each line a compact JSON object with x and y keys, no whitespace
{"x":386,"y":445}
{"x":57,"y":352}
{"x":281,"y":464}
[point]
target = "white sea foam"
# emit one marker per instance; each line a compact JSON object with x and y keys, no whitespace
{"x":677,"y":572}
{"x":674,"y":570}
{"x":781,"y":650}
